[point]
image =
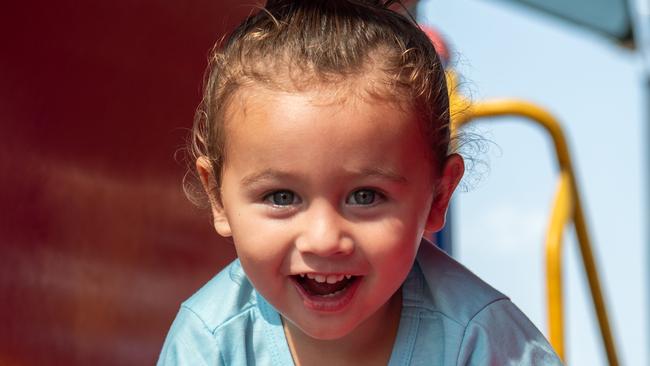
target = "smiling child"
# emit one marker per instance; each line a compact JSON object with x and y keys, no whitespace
{"x":323,"y":146}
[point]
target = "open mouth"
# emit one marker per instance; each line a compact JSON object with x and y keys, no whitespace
{"x":326,"y":292}
{"x":324,"y":285}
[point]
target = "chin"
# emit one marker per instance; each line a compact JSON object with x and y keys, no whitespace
{"x":329,"y":333}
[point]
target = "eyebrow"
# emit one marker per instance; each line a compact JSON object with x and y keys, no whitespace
{"x":267,"y":174}
{"x":381,"y":174}
{"x":273,"y":174}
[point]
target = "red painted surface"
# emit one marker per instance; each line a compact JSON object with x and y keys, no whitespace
{"x":98,"y":245}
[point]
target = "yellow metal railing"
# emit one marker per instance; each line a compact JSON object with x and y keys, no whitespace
{"x":566,"y":209}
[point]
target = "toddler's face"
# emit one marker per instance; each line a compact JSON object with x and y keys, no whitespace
{"x":326,"y":200}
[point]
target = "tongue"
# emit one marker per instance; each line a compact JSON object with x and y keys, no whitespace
{"x":322,"y":288}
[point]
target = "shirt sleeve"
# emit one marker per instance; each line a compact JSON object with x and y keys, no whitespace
{"x":500,"y":334}
{"x":189,"y":342}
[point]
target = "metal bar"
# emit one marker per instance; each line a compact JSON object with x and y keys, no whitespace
{"x":560,"y":217}
{"x":463,"y":112}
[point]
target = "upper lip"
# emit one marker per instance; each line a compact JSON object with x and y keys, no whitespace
{"x":322,"y":278}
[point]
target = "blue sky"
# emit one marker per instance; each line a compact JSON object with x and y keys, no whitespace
{"x":596,"y":89}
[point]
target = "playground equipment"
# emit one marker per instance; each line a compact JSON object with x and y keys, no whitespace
{"x":566,"y":210}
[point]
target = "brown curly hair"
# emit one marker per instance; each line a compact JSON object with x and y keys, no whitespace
{"x":294,"y":45}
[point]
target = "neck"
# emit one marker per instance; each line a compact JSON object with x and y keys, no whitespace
{"x":371,"y":343}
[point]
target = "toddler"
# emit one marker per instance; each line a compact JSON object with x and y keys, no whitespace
{"x":322,"y":143}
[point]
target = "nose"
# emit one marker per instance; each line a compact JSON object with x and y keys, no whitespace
{"x":324,"y":232}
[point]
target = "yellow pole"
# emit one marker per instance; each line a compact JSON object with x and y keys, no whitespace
{"x":560,"y":217}
{"x":463,"y":112}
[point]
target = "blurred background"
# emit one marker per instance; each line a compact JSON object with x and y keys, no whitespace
{"x":585,"y":62}
{"x":98,"y":245}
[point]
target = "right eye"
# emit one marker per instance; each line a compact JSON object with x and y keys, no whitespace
{"x":281,"y":198}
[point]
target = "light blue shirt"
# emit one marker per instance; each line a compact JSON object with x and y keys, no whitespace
{"x":449,"y":317}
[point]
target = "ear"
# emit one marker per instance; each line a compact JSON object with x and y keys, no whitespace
{"x":206,"y":173}
{"x":452,"y":172}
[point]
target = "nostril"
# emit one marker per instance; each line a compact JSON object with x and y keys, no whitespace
{"x":324,"y":246}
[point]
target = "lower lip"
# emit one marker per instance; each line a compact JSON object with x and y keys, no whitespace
{"x":330,"y":304}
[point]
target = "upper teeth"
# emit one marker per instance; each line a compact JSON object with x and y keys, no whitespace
{"x":326,"y":278}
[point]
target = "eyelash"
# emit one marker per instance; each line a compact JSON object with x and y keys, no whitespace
{"x":269,"y":198}
{"x":377,"y":197}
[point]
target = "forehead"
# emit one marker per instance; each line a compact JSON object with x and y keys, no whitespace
{"x":366,"y":94}
{"x":328,"y":129}
{"x":330,"y":108}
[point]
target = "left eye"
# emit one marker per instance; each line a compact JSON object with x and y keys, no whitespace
{"x":282,"y":198}
{"x":362,"y":197}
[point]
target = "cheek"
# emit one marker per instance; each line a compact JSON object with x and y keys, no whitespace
{"x":405,"y":222}
{"x":260,"y":243}
{"x":392,"y":241}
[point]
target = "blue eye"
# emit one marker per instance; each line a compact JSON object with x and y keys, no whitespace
{"x":281,"y":198}
{"x":363,"y":197}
